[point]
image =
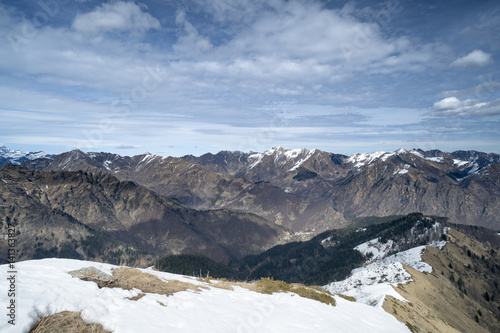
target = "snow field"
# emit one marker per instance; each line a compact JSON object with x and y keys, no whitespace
{"x":44,"y":288}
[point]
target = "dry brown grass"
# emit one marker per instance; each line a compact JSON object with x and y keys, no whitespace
{"x":348,"y":298}
{"x":221,"y":285}
{"x":66,"y":322}
{"x":130,"y":278}
{"x":270,"y":286}
{"x":137,"y":297}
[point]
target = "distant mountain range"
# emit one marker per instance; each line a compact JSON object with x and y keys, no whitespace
{"x":17,"y":157}
{"x":310,"y":191}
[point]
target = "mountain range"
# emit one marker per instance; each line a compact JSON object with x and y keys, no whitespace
{"x":310,"y":191}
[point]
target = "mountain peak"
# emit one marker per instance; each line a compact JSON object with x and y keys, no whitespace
{"x":401,"y":150}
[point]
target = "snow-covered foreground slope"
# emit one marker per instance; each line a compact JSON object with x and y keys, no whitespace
{"x":44,"y":287}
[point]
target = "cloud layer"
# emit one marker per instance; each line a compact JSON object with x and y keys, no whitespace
{"x":238,"y":75}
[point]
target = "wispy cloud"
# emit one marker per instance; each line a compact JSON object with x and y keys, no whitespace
{"x":452,"y":106}
{"x":123,"y":146}
{"x":116,"y":16}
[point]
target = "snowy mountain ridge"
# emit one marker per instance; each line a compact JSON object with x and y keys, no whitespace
{"x":469,"y":162}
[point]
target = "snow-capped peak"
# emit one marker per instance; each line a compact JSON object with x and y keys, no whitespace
{"x":18,"y":157}
{"x":416,"y":153}
{"x":400,"y":151}
{"x":282,"y":156}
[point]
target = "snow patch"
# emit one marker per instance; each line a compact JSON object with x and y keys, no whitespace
{"x":473,"y":170}
{"x":107,"y":164}
{"x":372,"y":283}
{"x":257,"y":157}
{"x":374,"y":246}
{"x":147,"y":158}
{"x":460,"y":163}
{"x":360,"y":160}
{"x":402,"y":170}
{"x":299,"y":163}
{"x":416,"y":153}
{"x":435,"y":159}
{"x":411,"y":257}
{"x":326,"y":240}
{"x":401,"y":151}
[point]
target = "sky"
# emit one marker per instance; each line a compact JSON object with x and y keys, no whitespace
{"x":196,"y":76}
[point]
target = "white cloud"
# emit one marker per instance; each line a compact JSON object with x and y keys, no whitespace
{"x":298,"y":30}
{"x":116,"y":16}
{"x":475,"y":59}
{"x":452,"y":106}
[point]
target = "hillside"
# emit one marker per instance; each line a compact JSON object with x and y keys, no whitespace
{"x":451,"y":286}
{"x":53,"y":210}
{"x":453,"y":294}
{"x":332,"y":255}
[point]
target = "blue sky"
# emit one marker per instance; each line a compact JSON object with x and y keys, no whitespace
{"x":197,"y":76}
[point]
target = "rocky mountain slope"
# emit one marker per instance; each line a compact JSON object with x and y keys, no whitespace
{"x":53,"y":208}
{"x":463,"y":185}
{"x":313,"y":190}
